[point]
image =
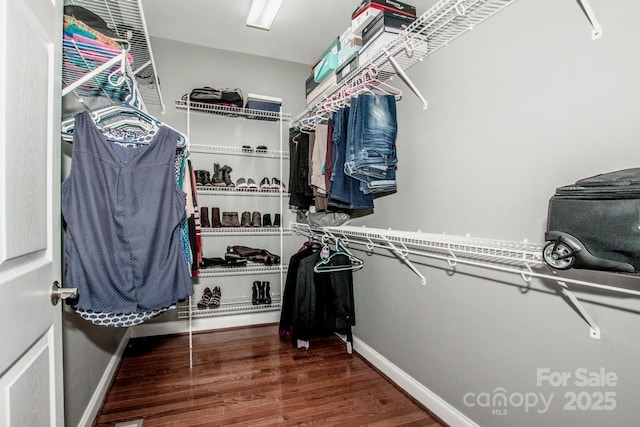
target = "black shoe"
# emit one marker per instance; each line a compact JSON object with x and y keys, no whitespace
{"x":277,"y":185}
{"x":261,"y":149}
{"x":226,"y":176}
{"x":266,"y":220}
{"x":205,"y":300}
{"x":276,"y":220}
{"x":254,"y":293}
{"x":217,"y":180}
{"x":267,"y":293}
{"x":247,"y":149}
{"x":216,"y":297}
{"x":265,"y":184}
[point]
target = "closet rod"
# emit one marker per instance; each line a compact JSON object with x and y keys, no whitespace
{"x":378,"y":238}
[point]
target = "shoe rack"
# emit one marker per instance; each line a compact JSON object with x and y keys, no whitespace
{"x":235,"y":281}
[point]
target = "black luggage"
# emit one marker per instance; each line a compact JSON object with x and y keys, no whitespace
{"x":595,"y":224}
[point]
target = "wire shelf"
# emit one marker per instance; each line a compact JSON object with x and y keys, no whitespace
{"x":250,"y":269}
{"x":245,"y":231}
{"x":221,"y":110}
{"x":233,"y":191}
{"x":229,"y":307}
{"x":440,"y":25}
{"x":499,"y":251}
{"x":126,"y":18}
{"x":237,"y":151}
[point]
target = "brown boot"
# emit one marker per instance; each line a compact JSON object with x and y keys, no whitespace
{"x":204,"y":217}
{"x":235,"y":220}
{"x":215,"y":218}
{"x":256,"y":219}
{"x":226,"y":219}
{"x":246,"y":219}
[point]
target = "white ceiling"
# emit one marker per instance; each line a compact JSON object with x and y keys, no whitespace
{"x":302,"y":30}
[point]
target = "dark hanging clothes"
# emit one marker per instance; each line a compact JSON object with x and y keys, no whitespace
{"x":301,"y":193}
{"x":319,"y":304}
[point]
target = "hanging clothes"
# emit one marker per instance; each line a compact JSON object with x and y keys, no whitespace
{"x":123,"y":213}
{"x":316,"y":304}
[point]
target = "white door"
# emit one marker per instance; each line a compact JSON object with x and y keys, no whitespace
{"x":30,"y":326}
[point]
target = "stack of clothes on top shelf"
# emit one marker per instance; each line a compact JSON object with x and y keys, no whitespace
{"x":348,"y":161}
{"x":87,"y":44}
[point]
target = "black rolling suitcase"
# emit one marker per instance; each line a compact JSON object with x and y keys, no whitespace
{"x":595,"y":224}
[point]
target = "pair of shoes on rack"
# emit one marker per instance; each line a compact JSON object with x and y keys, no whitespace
{"x":259,"y":149}
{"x":215,"y":217}
{"x":203,"y":178}
{"x":261,"y":256}
{"x":260,"y":293}
{"x":274,"y":184}
{"x":230,"y":219}
{"x":210,"y":299}
{"x":249,"y":184}
{"x":266,"y":220}
{"x":222,"y":176}
{"x":249,"y":219}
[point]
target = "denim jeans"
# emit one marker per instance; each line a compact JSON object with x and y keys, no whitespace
{"x":371,"y":145}
{"x":344,"y":191}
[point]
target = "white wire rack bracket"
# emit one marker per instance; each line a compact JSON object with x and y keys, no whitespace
{"x":522,"y":258}
{"x":596,"y":29}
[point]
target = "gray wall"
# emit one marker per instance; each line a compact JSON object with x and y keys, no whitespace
{"x":524,"y":103}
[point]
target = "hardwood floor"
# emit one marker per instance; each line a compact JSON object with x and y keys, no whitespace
{"x":251,"y":377}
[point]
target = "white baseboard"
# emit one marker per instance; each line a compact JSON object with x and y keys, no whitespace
{"x":150,"y":329}
{"x":94,"y":405}
{"x":426,"y":397}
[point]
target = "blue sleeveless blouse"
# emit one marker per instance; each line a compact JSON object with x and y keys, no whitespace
{"x":122,"y":209}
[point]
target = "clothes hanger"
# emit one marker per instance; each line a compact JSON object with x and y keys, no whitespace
{"x":371,"y":80}
{"x":324,"y":266}
{"x":126,"y":122}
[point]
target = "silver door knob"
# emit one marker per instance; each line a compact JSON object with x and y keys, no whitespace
{"x":58,"y":293}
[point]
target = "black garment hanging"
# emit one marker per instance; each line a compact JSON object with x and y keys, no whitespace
{"x":317,"y":304}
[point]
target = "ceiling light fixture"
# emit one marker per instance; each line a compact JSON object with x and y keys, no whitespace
{"x":262,"y":13}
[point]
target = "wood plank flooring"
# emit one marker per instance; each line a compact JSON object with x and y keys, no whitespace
{"x":251,"y":377}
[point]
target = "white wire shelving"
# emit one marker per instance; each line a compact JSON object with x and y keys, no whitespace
{"x":234,"y":191}
{"x":244,"y":231}
{"x":126,"y":18}
{"x":237,"y":151}
{"x":250,"y":269}
{"x":229,"y":307}
{"x":522,"y":258}
{"x":235,"y":112}
{"x":436,"y":28}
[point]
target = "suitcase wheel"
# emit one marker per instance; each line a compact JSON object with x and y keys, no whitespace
{"x":558,"y":255}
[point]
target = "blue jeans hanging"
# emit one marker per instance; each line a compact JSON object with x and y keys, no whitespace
{"x":371,"y":144}
{"x":344,"y":191}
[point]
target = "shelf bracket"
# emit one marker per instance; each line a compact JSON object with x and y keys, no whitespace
{"x":596,"y":31}
{"x":594,"y":330}
{"x":402,"y":255}
{"x":398,"y":69}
